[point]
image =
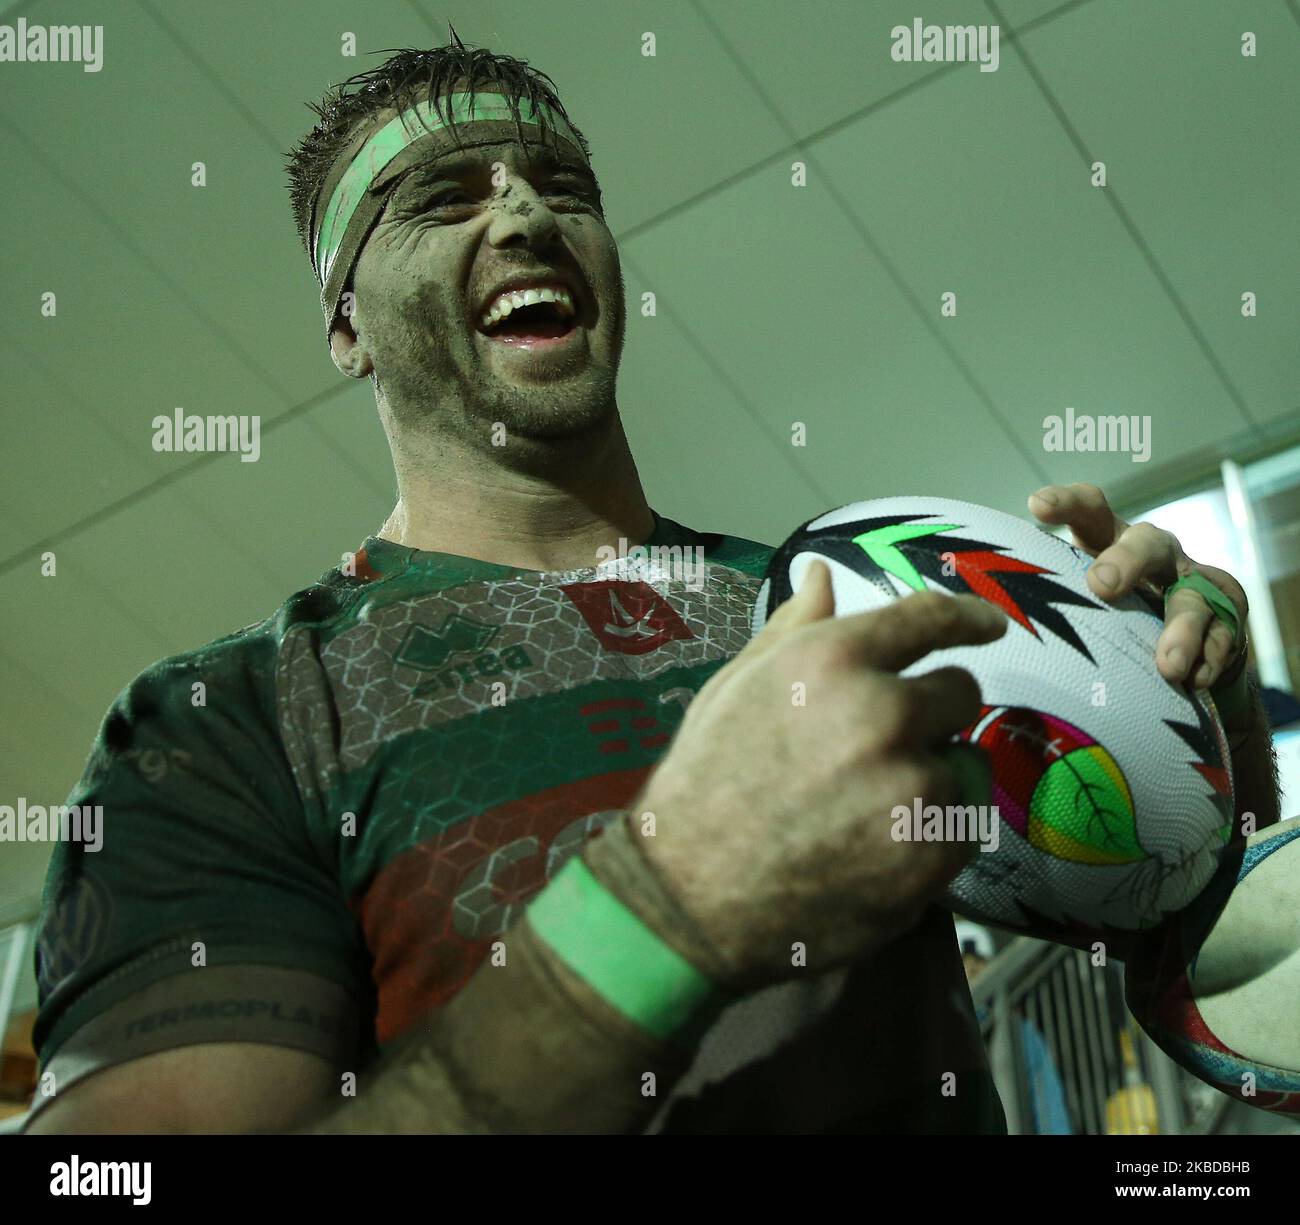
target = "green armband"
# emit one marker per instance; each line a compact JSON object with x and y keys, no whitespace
{"x":618,"y":956}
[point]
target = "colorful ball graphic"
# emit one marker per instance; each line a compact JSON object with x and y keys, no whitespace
{"x":1057,"y":787}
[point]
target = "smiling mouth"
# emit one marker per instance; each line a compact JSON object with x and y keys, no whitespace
{"x":535,"y":327}
{"x":540,"y":321}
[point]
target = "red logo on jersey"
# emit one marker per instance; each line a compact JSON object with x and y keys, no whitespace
{"x":631,"y":618}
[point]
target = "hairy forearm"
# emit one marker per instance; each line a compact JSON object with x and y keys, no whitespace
{"x":527,"y":1046}
{"x":1254,"y":767}
{"x":518,"y":1050}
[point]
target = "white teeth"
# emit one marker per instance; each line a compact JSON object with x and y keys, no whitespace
{"x":504,"y":303}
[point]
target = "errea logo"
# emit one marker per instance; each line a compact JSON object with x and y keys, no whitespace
{"x":77,"y":1177}
{"x":429,"y":650}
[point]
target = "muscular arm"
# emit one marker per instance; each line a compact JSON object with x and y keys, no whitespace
{"x":191,"y":1090}
{"x":515,"y":1051}
{"x":526,"y":1046}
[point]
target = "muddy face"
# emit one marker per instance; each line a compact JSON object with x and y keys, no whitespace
{"x":448,"y":351}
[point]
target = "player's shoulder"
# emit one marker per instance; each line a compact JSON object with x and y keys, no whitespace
{"x":720,"y":548}
{"x":238,"y":665}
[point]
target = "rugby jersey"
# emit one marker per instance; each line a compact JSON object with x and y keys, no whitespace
{"x":315,"y":828}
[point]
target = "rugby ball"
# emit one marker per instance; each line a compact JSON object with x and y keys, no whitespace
{"x":1218,"y":989}
{"x":1112,"y":787}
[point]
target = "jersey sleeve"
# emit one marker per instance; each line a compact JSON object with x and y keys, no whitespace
{"x":195,"y":907}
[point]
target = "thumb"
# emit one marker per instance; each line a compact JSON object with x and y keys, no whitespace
{"x":814,"y":601}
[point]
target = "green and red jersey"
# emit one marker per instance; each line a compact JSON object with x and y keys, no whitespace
{"x":315,"y":828}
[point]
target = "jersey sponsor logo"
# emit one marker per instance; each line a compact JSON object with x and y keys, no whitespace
{"x":630,"y":618}
{"x":424,"y":649}
{"x":434,"y":651}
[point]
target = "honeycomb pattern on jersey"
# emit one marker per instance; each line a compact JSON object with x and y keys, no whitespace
{"x":340,"y":703}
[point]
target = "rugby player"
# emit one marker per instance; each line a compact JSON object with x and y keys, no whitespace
{"x":483,"y":833}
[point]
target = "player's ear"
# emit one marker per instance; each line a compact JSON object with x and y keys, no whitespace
{"x":348,"y":348}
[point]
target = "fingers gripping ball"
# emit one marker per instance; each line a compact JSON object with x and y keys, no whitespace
{"x":1112,"y":786}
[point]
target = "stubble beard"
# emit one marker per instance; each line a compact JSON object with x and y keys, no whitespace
{"x":454,"y":384}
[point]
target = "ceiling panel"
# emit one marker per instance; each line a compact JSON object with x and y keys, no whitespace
{"x":41,"y":755}
{"x":294,"y":511}
{"x":346,"y":419}
{"x":18,"y":524}
{"x":82,"y":638}
{"x":303,"y":39}
{"x":1189,"y":129}
{"x":120,"y":340}
{"x":1017,"y":14}
{"x":838,"y":61}
{"x":693,"y":432}
{"x":661,"y":128}
{"x":222,"y":258}
{"x":826,"y":340}
{"x":1056,"y":307}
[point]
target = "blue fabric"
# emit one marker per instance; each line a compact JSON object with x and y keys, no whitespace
{"x":1046,"y":1093}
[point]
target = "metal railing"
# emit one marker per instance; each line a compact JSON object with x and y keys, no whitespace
{"x":1073,"y":1014}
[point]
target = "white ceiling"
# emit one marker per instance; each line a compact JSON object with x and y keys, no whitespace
{"x":776,"y":304}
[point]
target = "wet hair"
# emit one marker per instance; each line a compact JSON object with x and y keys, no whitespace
{"x":406,"y":78}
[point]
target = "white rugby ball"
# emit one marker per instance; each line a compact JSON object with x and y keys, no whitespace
{"x":1112,"y":786}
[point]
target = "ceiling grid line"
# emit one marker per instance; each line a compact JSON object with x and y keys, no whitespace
{"x":135,"y":496}
{"x":706,"y":355}
{"x":268,"y":138}
{"x":868,"y":239}
{"x":219,"y":330}
{"x":1111,"y":197}
{"x":826,"y":131}
{"x":800,"y":145}
{"x":302,"y":407}
{"x":83,"y":406}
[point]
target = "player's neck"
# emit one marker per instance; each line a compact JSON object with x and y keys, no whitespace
{"x":535,"y":518}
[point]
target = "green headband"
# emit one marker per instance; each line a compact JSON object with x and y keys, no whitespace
{"x":358,"y":188}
